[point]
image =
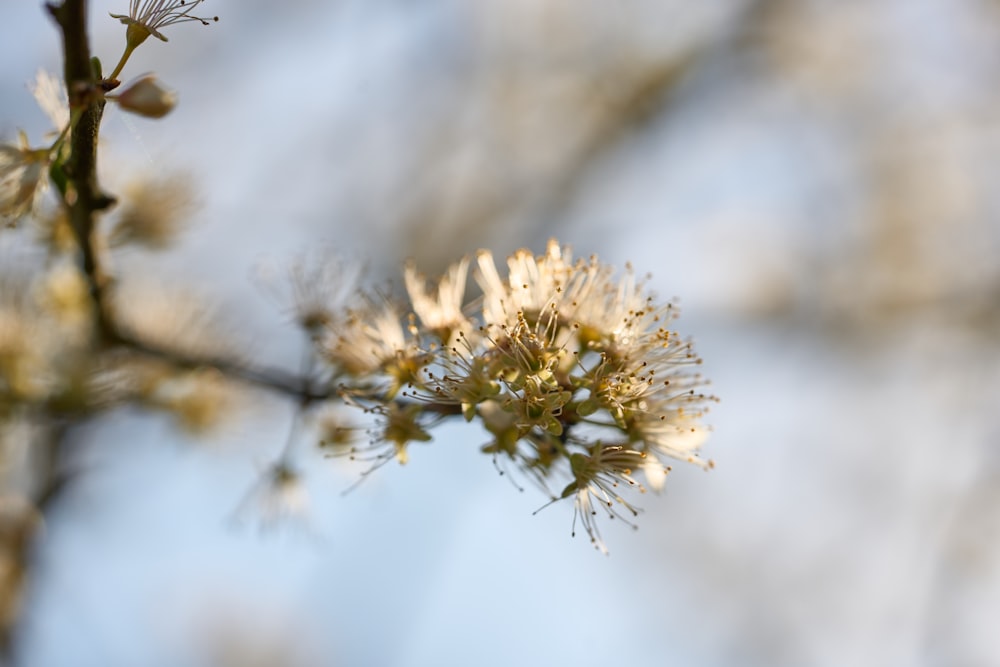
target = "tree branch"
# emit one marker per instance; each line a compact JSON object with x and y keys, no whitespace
{"x":272,"y":379}
{"x":84,"y":198}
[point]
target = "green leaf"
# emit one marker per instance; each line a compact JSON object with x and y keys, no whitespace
{"x":58,"y":176}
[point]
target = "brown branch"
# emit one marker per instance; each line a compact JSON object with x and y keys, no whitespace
{"x":303,"y":389}
{"x":84,"y":198}
{"x":22,"y":523}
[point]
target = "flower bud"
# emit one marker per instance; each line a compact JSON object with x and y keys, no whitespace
{"x":147,"y":97}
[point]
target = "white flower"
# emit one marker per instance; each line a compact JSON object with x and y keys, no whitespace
{"x":656,"y":473}
{"x":148,"y":16}
{"x":533,"y":285}
{"x":62,"y":293}
{"x":398,"y":425}
{"x":370,"y":341}
{"x":321,"y":284}
{"x":311,"y":289}
{"x":441,"y":314}
{"x":366,"y":338}
{"x":279,"y":498}
{"x":676,"y":439}
{"x":615,"y":313}
{"x":597,"y":481}
{"x":583,"y":297}
{"x":23,"y":179}
{"x":50,"y":94}
{"x":154,"y":210}
{"x":24,"y":172}
{"x":198,"y":399}
{"x":463,"y":377}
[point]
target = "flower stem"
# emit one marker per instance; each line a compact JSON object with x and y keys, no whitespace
{"x":129,"y":48}
{"x":73,"y":118}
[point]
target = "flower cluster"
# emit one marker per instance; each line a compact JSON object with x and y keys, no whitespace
{"x":572,"y":370}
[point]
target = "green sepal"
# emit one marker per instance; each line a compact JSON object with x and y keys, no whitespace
{"x":570,"y":489}
{"x":95,"y":68}
{"x":619,"y":416}
{"x":578,"y":464}
{"x":58,"y":176}
{"x":587,"y":407}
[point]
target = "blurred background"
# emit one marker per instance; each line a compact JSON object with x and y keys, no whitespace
{"x":813,"y":179}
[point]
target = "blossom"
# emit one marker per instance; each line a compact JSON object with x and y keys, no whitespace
{"x":612,"y":313}
{"x":532,"y":283}
{"x":561,"y":356}
{"x":146,"y":97}
{"x":442,"y":313}
{"x":335,"y":432}
{"x":364,"y":339}
{"x":465,"y":378}
{"x":63,"y":294}
{"x":24,"y":171}
{"x":154,"y":210}
{"x":679,"y":438}
{"x":279,"y":498}
{"x":312,"y":290}
{"x":370,"y":341}
{"x":23,"y":179}
{"x":198,"y":399}
{"x":398,"y":425}
{"x":146,"y":17}
{"x":24,"y":354}
{"x":49,"y":92}
{"x":597,"y":478}
{"x":320,"y":285}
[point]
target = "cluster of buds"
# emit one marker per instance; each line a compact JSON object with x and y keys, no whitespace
{"x":572,"y":370}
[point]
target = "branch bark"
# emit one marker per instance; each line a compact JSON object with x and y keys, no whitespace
{"x":84,"y":197}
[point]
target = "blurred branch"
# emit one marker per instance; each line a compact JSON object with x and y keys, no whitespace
{"x":606,"y":110}
{"x":279,"y":381}
{"x":21,"y":521}
{"x":628,"y":109}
